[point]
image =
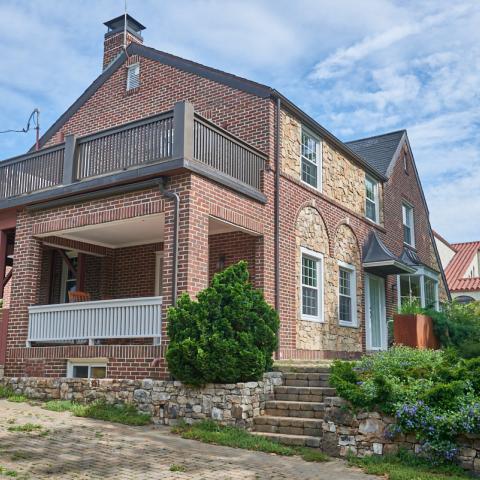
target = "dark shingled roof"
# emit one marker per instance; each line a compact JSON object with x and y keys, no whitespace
{"x":378,"y":151}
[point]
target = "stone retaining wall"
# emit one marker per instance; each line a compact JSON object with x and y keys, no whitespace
{"x":167,"y":401}
{"x":366,"y":434}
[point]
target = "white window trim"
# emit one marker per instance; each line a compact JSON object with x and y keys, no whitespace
{"x":353,"y":289}
{"x":421,"y":272}
{"x":88,"y":362}
{"x":412,"y":227}
{"x":376,"y":199}
{"x":319,"y":159}
{"x":129,"y":69}
{"x":320,"y":269}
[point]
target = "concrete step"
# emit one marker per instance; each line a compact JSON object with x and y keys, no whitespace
{"x":306,"y":379}
{"x":288,"y":425}
{"x":282,"y":408}
{"x":298,"y":440}
{"x":303,"y":394}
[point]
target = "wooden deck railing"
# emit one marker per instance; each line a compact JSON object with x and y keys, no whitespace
{"x":180,"y":133}
{"x":125,"y":318}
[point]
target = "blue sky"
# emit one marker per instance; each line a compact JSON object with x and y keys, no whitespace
{"x":359,"y":68}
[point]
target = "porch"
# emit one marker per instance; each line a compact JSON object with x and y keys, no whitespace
{"x":118,"y":267}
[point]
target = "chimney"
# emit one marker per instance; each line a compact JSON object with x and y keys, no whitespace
{"x":118,"y":36}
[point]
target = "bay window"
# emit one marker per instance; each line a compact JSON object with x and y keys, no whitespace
{"x":420,"y":288}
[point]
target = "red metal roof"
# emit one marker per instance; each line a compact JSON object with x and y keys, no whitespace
{"x":457,"y":268}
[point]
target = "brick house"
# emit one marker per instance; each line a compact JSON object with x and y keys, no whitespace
{"x":163,"y":172}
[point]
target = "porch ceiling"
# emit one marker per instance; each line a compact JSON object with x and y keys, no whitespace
{"x":120,"y":234}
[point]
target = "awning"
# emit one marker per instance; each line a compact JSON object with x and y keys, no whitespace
{"x":378,"y":259}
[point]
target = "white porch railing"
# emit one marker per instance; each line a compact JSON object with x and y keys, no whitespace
{"x":124,"y":318}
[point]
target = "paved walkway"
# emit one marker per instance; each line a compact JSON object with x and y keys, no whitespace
{"x":68,"y":447}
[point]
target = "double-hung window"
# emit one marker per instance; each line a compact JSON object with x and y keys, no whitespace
{"x":312,"y":286}
{"x":371,"y":199}
{"x":408,"y":226}
{"x":311,"y":160}
{"x":347,"y":291}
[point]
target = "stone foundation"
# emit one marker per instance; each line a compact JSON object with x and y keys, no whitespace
{"x":167,"y":401}
{"x":364,"y":434}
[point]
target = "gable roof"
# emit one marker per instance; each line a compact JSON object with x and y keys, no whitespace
{"x":233,"y":81}
{"x":379,"y":150}
{"x":458,"y":265}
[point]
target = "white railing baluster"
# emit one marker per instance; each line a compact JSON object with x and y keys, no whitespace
{"x":125,"y":318}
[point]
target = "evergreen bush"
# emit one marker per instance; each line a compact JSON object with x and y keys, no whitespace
{"x":227,"y":335}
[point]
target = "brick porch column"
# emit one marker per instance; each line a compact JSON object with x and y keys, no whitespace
{"x":192,"y":242}
{"x":25,"y":280}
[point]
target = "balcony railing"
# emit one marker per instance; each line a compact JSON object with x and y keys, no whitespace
{"x":177,"y":134}
{"x":126,"y":318}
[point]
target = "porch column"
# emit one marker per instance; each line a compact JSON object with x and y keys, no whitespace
{"x":26,"y":281}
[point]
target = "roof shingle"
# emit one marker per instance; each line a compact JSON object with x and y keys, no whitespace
{"x":378,"y":151}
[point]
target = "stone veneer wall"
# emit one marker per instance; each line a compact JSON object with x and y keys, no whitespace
{"x":167,"y":401}
{"x":366,"y":434}
{"x":311,"y":233}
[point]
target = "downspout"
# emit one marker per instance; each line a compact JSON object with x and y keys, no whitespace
{"x":277,"y":215}
{"x":176,"y":219}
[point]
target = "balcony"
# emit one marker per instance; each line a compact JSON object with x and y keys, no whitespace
{"x":97,"y":320}
{"x":173,"y":141}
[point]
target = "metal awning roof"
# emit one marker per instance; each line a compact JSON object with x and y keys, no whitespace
{"x":378,"y":259}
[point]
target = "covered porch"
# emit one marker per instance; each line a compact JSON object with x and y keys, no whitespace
{"x":109,"y":283}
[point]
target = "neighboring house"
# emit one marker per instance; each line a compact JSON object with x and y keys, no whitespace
{"x":461,"y":262}
{"x":165,"y":171}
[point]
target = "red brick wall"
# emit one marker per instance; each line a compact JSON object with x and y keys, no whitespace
{"x":232,"y":247}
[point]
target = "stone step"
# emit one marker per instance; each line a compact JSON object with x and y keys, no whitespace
{"x":306,"y":379}
{"x":298,"y":440}
{"x":292,"y":368}
{"x":302,"y":394}
{"x":288,"y":425}
{"x":281,"y":408}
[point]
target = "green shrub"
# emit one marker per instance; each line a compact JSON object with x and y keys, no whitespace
{"x":228,"y":335}
{"x":434,"y":394}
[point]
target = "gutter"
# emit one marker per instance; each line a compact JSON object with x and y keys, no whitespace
{"x":278,"y":159}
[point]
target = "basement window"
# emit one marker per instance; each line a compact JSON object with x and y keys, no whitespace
{"x":133,"y":76}
{"x":87,"y":369}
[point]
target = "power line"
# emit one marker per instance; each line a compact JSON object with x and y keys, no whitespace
{"x":33,"y":116}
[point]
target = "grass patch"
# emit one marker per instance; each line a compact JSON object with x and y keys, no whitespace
{"x":406,"y":466}
{"x":210,"y":432}
{"x":7,"y":472}
{"x":125,"y":414}
{"x":17,"y":398}
{"x":177,"y":468}
{"x":26,"y":428}
{"x":5,"y":392}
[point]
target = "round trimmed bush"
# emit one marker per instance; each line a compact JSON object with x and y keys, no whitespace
{"x":227,"y":335}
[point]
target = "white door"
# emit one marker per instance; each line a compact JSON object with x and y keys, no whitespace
{"x":375,"y":316}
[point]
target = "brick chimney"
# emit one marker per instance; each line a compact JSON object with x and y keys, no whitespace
{"x":115,"y":37}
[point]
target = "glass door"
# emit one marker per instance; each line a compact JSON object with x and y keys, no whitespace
{"x":376,"y":320}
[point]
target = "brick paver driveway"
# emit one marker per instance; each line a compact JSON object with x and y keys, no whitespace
{"x":68,"y":447}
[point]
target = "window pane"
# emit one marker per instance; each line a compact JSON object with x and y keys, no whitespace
{"x":407,"y":235}
{"x":430,"y":293}
{"x":345,"y":307}
{"x":371,"y":211}
{"x":410,"y":288}
{"x":98,"y":372}
{"x":80,"y":371}
{"x":309,"y":147}
{"x":344,"y":281}
{"x":310,"y":301}
{"x":309,"y":173}
{"x":309,"y":272}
